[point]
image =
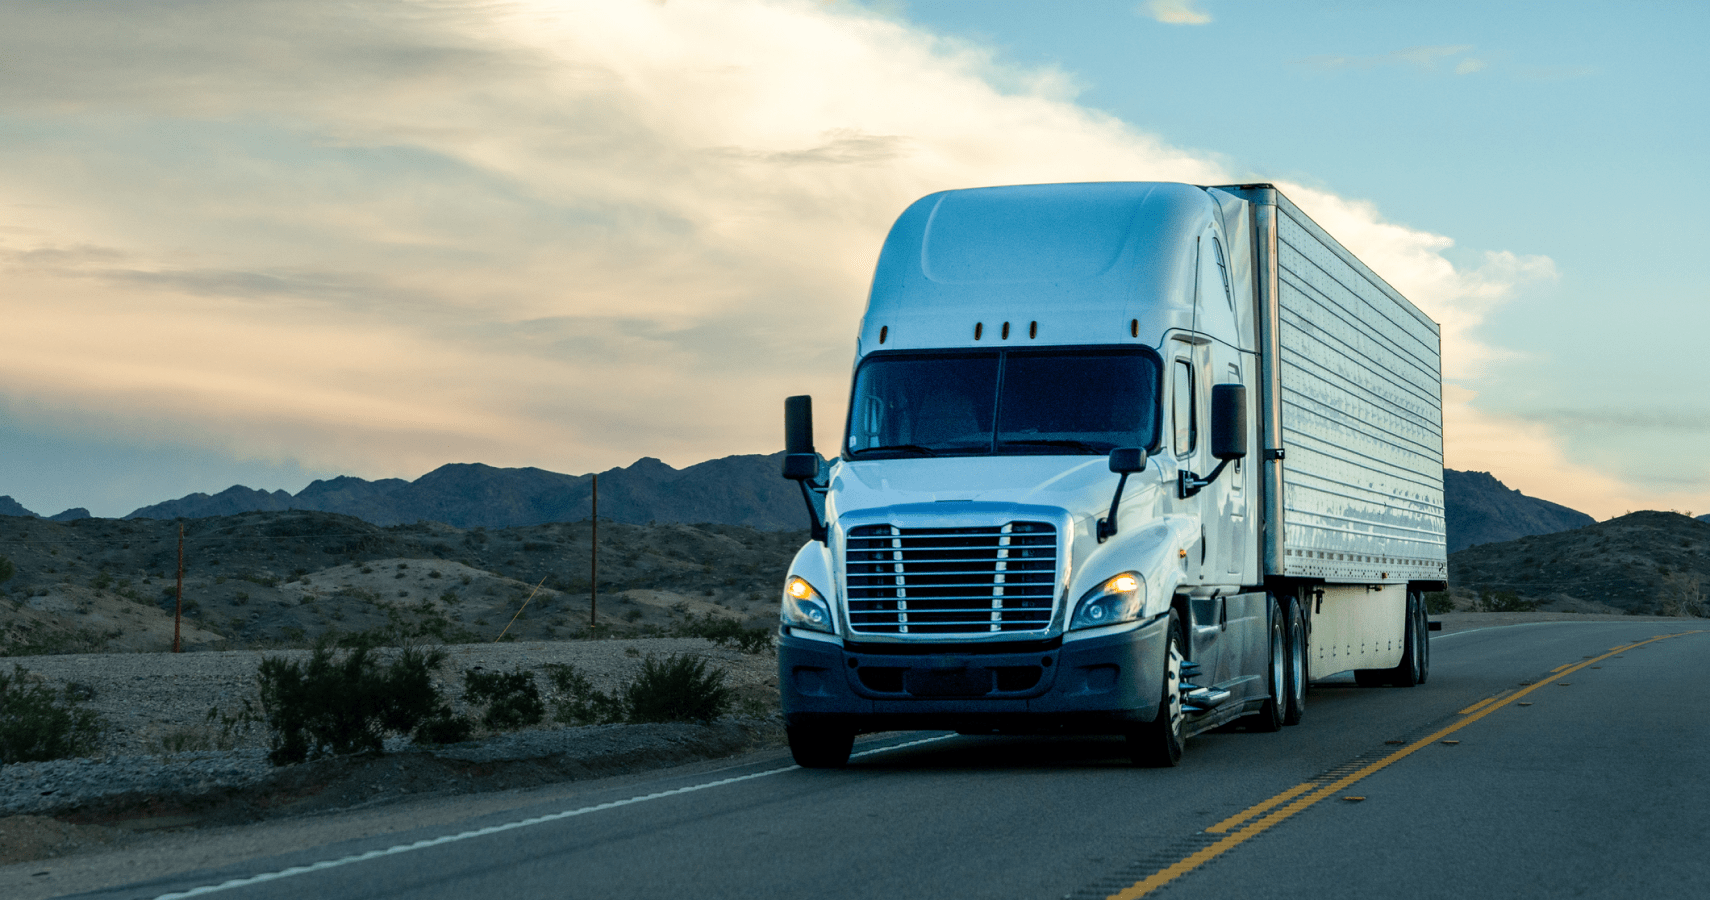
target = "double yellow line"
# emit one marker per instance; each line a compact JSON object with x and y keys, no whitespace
{"x":1261,"y":817}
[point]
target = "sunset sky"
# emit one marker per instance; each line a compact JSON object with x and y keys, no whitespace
{"x":268,"y":242}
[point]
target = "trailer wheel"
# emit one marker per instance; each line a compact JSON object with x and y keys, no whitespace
{"x":816,"y":748}
{"x":1296,"y":687}
{"x":1415,"y":651}
{"x":1158,"y":743}
{"x":1270,"y":716}
{"x":1416,"y":658}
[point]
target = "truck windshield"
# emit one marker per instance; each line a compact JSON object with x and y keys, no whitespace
{"x":1069,"y":401}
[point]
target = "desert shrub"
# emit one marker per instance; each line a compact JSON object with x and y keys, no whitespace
{"x":37,"y":723}
{"x":727,"y":632}
{"x":1438,"y":602}
{"x":7,"y":570}
{"x":511,"y":699}
{"x":576,"y":702}
{"x":444,"y":727}
{"x":676,"y":689}
{"x":1504,"y":601}
{"x":336,"y":705}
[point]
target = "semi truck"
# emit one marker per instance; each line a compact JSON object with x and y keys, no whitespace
{"x":1135,"y":459}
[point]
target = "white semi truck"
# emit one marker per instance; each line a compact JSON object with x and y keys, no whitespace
{"x":1122,"y":458}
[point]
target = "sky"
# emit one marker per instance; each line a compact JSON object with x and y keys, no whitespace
{"x":261,"y":243}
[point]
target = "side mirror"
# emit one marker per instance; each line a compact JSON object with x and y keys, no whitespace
{"x":798,"y":424}
{"x":1128,"y":459}
{"x":1228,"y":421}
{"x":801,"y":463}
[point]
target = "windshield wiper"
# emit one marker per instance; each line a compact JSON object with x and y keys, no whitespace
{"x":906,"y":448}
{"x":1061,"y":442}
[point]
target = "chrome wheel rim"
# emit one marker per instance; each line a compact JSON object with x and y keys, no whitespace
{"x":1173,"y":680}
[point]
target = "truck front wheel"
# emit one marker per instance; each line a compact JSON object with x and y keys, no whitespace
{"x":819,"y":748}
{"x":1158,"y":743}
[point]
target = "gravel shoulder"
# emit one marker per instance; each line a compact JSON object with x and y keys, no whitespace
{"x":132,"y":786}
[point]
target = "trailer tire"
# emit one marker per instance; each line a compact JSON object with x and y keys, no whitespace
{"x":1158,"y":743}
{"x":1416,"y":657}
{"x":1270,"y":716}
{"x":1415,"y":651}
{"x":816,"y":748}
{"x":1297,"y":660}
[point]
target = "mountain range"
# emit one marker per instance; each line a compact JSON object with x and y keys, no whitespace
{"x":735,"y":490}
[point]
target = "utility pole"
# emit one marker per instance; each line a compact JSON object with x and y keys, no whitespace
{"x":594,"y":563}
{"x":178,"y":607}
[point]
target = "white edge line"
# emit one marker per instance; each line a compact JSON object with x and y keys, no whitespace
{"x":1534,"y":624}
{"x":508,"y":826}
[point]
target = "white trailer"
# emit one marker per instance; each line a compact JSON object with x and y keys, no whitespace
{"x":1124,"y":458}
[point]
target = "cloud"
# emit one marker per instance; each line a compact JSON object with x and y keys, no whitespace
{"x":1526,"y":453}
{"x":381,"y":238}
{"x":1175,"y":12}
{"x":1422,"y":58}
{"x":1412,"y":261}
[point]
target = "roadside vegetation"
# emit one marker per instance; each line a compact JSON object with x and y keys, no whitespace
{"x":673,"y":689}
{"x":37,"y":723}
{"x":349,"y":699}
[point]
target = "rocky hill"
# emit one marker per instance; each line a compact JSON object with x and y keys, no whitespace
{"x":1655,"y":563}
{"x":262,"y":579}
{"x":1482,"y":510}
{"x":735,"y":490}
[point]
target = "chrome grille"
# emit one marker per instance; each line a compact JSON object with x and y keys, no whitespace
{"x":950,"y":580}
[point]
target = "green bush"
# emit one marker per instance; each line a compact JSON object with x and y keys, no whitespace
{"x":576,"y":702}
{"x":35,"y":724}
{"x":511,"y":699}
{"x":1504,"y":601}
{"x":7,"y":570}
{"x":342,"y":705}
{"x":676,"y":689}
{"x":1438,"y":603}
{"x":444,"y":727}
{"x":727,"y":632}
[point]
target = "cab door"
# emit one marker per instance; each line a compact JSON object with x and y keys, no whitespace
{"x":1223,"y":503}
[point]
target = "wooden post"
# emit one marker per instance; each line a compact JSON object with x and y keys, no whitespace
{"x":178,"y":607}
{"x":594,"y":560}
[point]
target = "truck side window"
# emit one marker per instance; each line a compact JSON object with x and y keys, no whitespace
{"x":1184,"y":412}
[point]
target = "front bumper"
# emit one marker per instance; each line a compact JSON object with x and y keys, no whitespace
{"x":1101,"y":685}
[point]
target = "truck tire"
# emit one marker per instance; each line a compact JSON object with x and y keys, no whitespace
{"x":1295,"y":691}
{"x":1158,"y":743}
{"x":816,"y":748}
{"x":1415,"y":652}
{"x":1270,"y":715}
{"x":1416,"y":656}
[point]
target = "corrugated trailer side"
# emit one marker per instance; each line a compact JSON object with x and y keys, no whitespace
{"x":1353,"y":400}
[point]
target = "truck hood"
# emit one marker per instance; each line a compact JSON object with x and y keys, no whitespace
{"x":1081,"y":485}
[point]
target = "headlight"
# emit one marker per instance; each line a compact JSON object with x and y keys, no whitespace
{"x":804,"y":607}
{"x":1119,"y":599}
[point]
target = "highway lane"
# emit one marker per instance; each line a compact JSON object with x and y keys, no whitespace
{"x":1593,"y":783}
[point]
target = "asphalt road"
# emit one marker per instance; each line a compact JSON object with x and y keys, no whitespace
{"x":1586,"y":777}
